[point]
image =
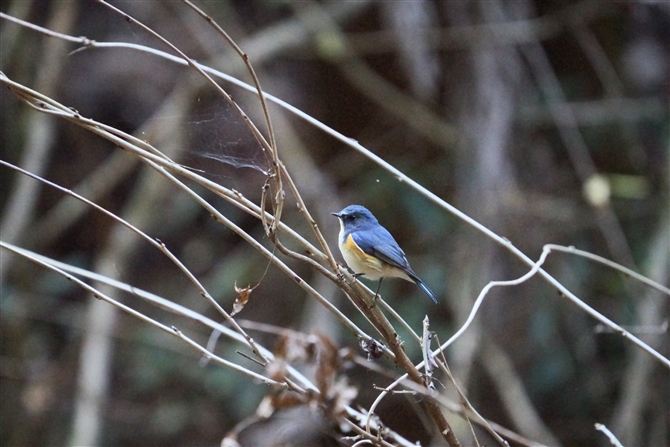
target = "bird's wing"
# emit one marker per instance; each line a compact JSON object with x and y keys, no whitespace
{"x":380,"y":243}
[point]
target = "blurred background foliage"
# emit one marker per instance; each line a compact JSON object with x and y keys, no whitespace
{"x":547,"y":121}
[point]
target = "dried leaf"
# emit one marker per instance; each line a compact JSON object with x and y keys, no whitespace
{"x":373,"y":348}
{"x":243,"y":294}
{"x":292,"y":349}
{"x":287,"y":399}
{"x":334,"y":394}
{"x":328,"y":364}
{"x":276,"y":369}
{"x":340,"y":396}
{"x":274,"y":402}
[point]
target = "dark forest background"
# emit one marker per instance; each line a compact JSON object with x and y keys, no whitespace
{"x":546,"y":121}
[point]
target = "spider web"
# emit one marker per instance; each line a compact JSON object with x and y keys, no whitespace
{"x":217,"y":132}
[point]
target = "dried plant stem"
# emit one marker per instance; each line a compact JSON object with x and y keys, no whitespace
{"x":160,"y":302}
{"x":613,"y":265}
{"x":158,"y":244}
{"x":274,"y":175}
{"x":535,"y":269}
{"x":170,"y":330}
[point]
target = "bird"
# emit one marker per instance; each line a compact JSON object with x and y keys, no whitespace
{"x":370,"y":250}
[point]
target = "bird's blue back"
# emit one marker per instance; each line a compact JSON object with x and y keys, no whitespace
{"x":374,"y":239}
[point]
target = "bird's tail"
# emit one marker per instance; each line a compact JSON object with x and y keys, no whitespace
{"x":425,"y":288}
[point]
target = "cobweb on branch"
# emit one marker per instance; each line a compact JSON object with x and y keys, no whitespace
{"x":217,"y":132}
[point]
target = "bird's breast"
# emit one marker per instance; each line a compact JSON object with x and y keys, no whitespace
{"x":359,"y":261}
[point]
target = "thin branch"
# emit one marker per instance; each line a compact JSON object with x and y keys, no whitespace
{"x":268,"y":254}
{"x":157,"y":244}
{"x":162,"y":303}
{"x":252,"y":72}
{"x":190,"y":62}
{"x":613,"y":265}
{"x":478,"y":302}
{"x":346,"y":321}
{"x":39,"y":134}
{"x":97,"y":294}
{"x":613,"y":440}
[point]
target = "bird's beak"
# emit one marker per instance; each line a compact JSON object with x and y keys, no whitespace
{"x":336,"y":214}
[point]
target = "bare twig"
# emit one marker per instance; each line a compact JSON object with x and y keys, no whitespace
{"x":613,"y":440}
{"x":96,"y":293}
{"x":613,"y":265}
{"x":157,"y":244}
{"x":40,"y":134}
{"x":162,"y":303}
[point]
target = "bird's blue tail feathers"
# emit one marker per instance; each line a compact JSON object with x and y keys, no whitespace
{"x":425,"y":289}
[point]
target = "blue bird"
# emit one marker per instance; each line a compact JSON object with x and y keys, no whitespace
{"x":370,"y":250}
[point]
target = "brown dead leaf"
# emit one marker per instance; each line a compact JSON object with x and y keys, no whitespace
{"x":334,"y":393}
{"x":276,"y":369}
{"x":292,"y":349}
{"x":273,"y":402}
{"x":340,"y":395}
{"x":373,"y":348}
{"x":243,"y":294}
{"x":328,"y":364}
